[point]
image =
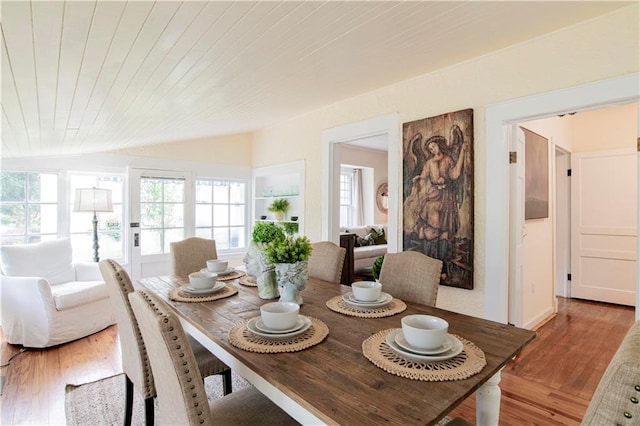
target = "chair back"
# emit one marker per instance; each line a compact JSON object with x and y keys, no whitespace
{"x":411,"y":276}
{"x":135,"y":362}
{"x":617,"y":396}
{"x":181,"y":395}
{"x":52,"y":260}
{"x":191,"y":255}
{"x":326,"y":261}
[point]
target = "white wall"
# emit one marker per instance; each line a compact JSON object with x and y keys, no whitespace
{"x":561,"y":59}
{"x":377,"y":160}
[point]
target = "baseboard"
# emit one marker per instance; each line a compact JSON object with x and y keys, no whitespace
{"x":539,"y":320}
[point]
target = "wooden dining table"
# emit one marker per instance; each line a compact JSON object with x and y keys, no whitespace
{"x":332,"y":382}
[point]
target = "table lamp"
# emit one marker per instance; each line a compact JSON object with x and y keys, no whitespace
{"x":93,"y":200}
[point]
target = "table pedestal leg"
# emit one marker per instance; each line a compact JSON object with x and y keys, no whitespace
{"x":488,"y":402}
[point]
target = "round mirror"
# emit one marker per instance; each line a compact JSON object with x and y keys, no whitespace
{"x":382,"y":198}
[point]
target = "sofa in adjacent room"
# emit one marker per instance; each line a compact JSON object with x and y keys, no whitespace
{"x":370,"y":243}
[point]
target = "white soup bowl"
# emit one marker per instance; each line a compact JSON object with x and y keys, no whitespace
{"x":366,"y":291}
{"x":202,"y":280}
{"x":279,"y":315}
{"x":424,"y":331}
{"x":216,"y":265}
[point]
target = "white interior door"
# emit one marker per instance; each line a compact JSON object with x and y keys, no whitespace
{"x":158,"y":217}
{"x":604,"y":226}
{"x":516,"y":267}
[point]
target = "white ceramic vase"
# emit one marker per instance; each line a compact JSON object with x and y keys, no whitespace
{"x":257,"y":266}
{"x":292,"y":279}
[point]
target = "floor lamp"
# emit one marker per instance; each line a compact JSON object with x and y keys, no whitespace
{"x":93,"y":200}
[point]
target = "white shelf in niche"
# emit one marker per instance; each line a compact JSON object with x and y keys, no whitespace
{"x":284,"y":180}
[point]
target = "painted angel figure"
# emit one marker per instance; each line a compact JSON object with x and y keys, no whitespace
{"x":432,"y":207}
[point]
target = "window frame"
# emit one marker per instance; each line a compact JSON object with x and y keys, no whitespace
{"x":246,"y":217}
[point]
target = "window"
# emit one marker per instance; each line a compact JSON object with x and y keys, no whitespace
{"x":221,"y":212}
{"x":110,"y":225}
{"x":346,"y":197}
{"x":29,"y":203}
{"x":161,"y":213}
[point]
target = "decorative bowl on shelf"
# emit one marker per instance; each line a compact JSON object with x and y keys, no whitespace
{"x":294,"y":218}
{"x":263,"y":217}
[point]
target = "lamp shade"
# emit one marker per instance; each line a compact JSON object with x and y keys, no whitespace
{"x":93,"y":200}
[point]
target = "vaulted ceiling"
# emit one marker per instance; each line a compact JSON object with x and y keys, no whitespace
{"x":87,"y":76}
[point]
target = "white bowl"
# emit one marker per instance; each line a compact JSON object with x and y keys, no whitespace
{"x":217,"y":265}
{"x":424,"y":331}
{"x":202,"y":280}
{"x":366,"y":291}
{"x":279,"y":315}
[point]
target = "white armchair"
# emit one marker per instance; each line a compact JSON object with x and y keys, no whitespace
{"x":46,"y":299}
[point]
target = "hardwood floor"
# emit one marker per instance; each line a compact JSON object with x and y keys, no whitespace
{"x":550,"y":383}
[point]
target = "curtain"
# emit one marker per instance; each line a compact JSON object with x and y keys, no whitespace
{"x":358,"y":198}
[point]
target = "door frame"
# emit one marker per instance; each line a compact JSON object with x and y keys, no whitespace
{"x":499,"y":119}
{"x":562,"y":223}
{"x":386,"y":124}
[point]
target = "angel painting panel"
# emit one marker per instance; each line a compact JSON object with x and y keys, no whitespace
{"x":438,"y":193}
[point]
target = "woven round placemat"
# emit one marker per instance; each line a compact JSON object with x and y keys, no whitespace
{"x":179,"y":295}
{"x":248,"y":281}
{"x":232,"y":276}
{"x":241,"y":337}
{"x":469,"y":362}
{"x":337,"y":304}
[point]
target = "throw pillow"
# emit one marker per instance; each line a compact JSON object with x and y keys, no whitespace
{"x":364,"y":241}
{"x":378,"y":236}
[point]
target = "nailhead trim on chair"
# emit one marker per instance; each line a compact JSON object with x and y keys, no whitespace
{"x":187,"y":372}
{"x":149,"y":387}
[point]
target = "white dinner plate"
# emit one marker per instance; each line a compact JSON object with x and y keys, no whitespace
{"x":402,"y":342}
{"x":216,"y":287}
{"x":251,"y":325}
{"x":384,"y":299}
{"x":260,"y":325}
{"x":456,"y":349}
{"x":223,"y":273}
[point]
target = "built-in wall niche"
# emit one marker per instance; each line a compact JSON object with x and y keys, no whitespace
{"x":284,"y":180}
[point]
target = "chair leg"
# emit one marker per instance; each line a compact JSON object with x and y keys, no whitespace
{"x":128,"y":401}
{"x":148,"y":411}
{"x":226,"y":383}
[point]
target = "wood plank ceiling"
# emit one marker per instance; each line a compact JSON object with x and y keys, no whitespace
{"x":87,"y":76}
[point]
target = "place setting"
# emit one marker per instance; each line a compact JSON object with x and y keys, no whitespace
{"x":202,"y":287}
{"x":423,"y":349}
{"x":223,"y":270}
{"x":366,"y":300}
{"x":279,"y":328}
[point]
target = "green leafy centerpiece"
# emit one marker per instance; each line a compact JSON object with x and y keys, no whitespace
{"x":279,"y":208}
{"x":256,"y":262}
{"x":290,"y":257}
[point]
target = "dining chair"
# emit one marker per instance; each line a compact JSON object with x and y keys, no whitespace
{"x":135,"y":356}
{"x":181,"y":396}
{"x":191,"y":255}
{"x":411,"y":276}
{"x":616,"y":399}
{"x":326,"y":261}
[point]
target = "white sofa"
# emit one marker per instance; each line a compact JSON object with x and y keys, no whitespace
{"x":364,"y":256}
{"x":46,"y":299}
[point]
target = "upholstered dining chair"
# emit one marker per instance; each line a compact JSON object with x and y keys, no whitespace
{"x":191,"y":255}
{"x":135,"y":356}
{"x":181,"y":396}
{"x":326,"y":261}
{"x":411,"y":276}
{"x":616,"y":400}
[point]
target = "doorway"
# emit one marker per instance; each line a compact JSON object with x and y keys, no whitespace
{"x":331,"y":139}
{"x":500,"y":118}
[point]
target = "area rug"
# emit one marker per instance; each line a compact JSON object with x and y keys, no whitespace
{"x":102,"y":402}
